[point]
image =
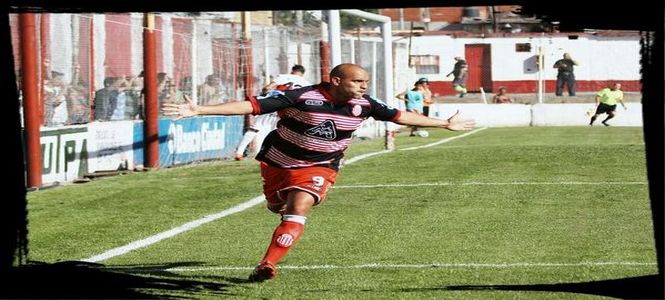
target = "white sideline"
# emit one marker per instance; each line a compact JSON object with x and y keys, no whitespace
{"x":409,"y":266}
{"x":444,"y":140}
{"x":238,"y":208}
{"x":172,"y":232}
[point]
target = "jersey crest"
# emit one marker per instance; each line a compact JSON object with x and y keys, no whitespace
{"x":325,"y":130}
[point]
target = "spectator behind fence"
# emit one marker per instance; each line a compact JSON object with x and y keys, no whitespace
{"x":502,"y":96}
{"x":55,"y":109}
{"x":186,"y":85}
{"x":106,"y":99}
{"x":210,"y":92}
{"x":174,"y":95}
{"x":163,"y":81}
{"x":78,"y":104}
{"x":134,"y":98}
{"x":124,"y":97}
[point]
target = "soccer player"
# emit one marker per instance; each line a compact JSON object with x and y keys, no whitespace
{"x":606,"y":101}
{"x":268,"y":122}
{"x":300,"y":159}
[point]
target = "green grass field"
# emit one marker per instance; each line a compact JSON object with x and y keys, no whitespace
{"x":501,"y":206}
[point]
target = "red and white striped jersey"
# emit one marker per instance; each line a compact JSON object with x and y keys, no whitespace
{"x":314,"y":130}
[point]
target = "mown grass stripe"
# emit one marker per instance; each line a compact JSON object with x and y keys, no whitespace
{"x":487,"y":183}
{"x":238,"y":208}
{"x":412,"y":266}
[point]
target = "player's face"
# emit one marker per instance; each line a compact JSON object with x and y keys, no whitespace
{"x":353,"y":84}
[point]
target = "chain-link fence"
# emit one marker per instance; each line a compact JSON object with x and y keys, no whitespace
{"x":91,"y":65}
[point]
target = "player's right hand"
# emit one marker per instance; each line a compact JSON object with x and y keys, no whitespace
{"x":186,"y":110}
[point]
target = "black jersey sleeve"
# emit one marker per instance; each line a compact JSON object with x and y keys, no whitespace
{"x":381,"y":111}
{"x":275,"y":102}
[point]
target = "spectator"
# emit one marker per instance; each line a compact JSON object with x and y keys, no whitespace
{"x":174,"y":95}
{"x":565,"y":75}
{"x":210,"y":92}
{"x":123,"y":85}
{"x":502,"y":96}
{"x":78,"y":108}
{"x":55,"y":113}
{"x":186,"y":85}
{"x":106,"y":99}
{"x":427,"y":94}
{"x":163,"y":81}
{"x":414,"y":99}
{"x":134,"y":98}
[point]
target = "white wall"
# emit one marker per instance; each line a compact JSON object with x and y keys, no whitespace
{"x":575,"y":114}
{"x":599,"y":57}
{"x":569,"y":114}
{"x":486,"y":115}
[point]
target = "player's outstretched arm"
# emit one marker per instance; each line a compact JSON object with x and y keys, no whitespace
{"x":455,"y":122}
{"x":189,"y":109}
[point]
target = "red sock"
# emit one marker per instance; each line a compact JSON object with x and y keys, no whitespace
{"x":286,"y":234}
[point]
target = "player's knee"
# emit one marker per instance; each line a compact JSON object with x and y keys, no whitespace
{"x":300,"y":204}
{"x":278,"y":208}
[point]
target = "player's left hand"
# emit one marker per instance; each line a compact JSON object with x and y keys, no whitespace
{"x":456,"y":122}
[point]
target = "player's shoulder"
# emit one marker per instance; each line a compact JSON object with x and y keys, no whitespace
{"x":373,"y":102}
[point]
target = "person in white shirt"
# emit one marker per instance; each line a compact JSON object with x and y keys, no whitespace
{"x":268,"y":122}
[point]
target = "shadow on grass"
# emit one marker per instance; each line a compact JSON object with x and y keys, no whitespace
{"x":642,"y":287}
{"x":83,"y":280}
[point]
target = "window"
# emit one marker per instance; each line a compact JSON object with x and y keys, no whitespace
{"x":425,"y":64}
{"x":523,"y":47}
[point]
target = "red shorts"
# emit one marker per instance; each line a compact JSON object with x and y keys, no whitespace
{"x":277,"y":183}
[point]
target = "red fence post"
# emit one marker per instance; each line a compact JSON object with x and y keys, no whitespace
{"x":30,"y":86}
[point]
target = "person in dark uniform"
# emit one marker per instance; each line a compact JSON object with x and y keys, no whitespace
{"x":565,"y":75}
{"x":300,"y":159}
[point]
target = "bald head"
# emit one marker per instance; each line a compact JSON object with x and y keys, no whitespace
{"x":348,"y":81}
{"x":345,"y":70}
